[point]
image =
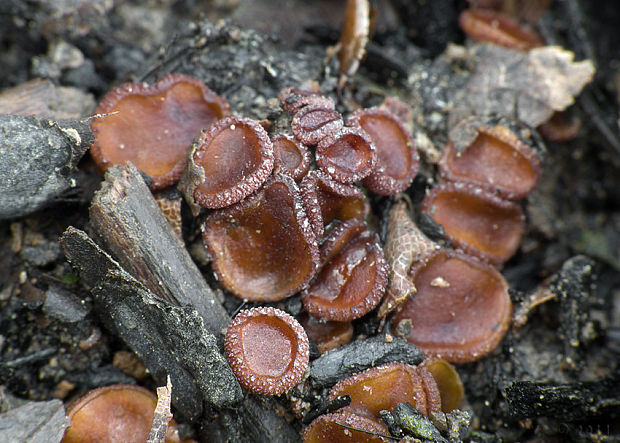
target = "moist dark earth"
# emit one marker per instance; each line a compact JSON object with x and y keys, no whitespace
{"x":556,"y":378}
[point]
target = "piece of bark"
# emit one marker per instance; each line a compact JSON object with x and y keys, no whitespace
{"x":360,"y":355}
{"x":35,"y":422}
{"x":128,"y":223}
{"x":170,"y":340}
{"x":42,"y":98}
{"x":37,"y":160}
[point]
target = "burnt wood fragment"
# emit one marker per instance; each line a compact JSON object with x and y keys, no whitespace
{"x":128,"y":223}
{"x":358,"y":356}
{"x":38,"y":159}
{"x":566,"y":402}
{"x":168,"y":339}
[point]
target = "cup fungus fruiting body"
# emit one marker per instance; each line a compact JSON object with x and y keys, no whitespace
{"x":461,"y":310}
{"x":345,"y":426}
{"x":476,"y":220}
{"x":114,"y":413}
{"x":397,"y":156}
{"x":496,"y":160}
{"x":485,"y":25}
{"x":227,"y":162}
{"x":152,"y":126}
{"x":327,"y":200}
{"x":267,"y":350}
{"x":352,"y":277}
{"x":383,"y":387}
{"x":263,"y":247}
{"x":291,"y":156}
{"x":347,"y":156}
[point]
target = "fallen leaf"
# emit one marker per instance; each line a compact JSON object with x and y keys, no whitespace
{"x":528,"y":86}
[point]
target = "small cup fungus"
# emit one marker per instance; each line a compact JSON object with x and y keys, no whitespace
{"x":448,"y":382}
{"x":488,"y":26}
{"x":226,"y":163}
{"x":477,"y":220}
{"x":461,"y":310}
{"x":353,"y":274}
{"x":327,"y":200}
{"x":293,"y":99}
{"x":327,"y":335}
{"x":397,"y":156}
{"x":345,"y":426}
{"x":267,"y":350}
{"x":348,"y":155}
{"x":290,"y":156}
{"x":312,"y":124}
{"x":496,"y":159}
{"x":386,"y":386}
{"x":115,"y":413}
{"x":152,"y":126}
{"x":263,"y":248}
{"x":561,"y":127}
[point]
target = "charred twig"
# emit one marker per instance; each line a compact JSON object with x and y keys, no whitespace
{"x":127,"y":221}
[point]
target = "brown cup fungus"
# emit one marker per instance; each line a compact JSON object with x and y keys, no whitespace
{"x":115,"y":413}
{"x":496,"y":159}
{"x":449,"y":384}
{"x":561,"y":127}
{"x":327,"y":200}
{"x":293,"y":99}
{"x":397,"y":156}
{"x":312,"y":124}
{"x":353,"y":274}
{"x":461,"y":310}
{"x":476,"y":220}
{"x":263,"y":248}
{"x":348,"y":155}
{"x":267,"y":350}
{"x":487,"y":26}
{"x":290,"y":156}
{"x":153,"y":126}
{"x":326,"y":334}
{"x":226,"y":163}
{"x":383,"y":387}
{"x":345,"y":426}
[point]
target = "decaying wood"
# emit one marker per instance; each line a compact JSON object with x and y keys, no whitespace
{"x":127,"y":222}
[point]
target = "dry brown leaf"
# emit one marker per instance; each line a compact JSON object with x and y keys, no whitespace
{"x":405,"y":244}
{"x":528,"y":86}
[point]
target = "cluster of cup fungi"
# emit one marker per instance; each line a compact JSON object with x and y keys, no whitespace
{"x":284,"y":215}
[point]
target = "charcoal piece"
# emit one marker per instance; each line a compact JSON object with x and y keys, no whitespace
{"x":128,"y":223}
{"x":358,"y":356}
{"x":573,"y":287}
{"x":255,"y":421}
{"x":566,"y":402}
{"x":391,"y":424}
{"x":35,"y":422}
{"x":168,"y":339}
{"x":101,"y":376}
{"x":63,"y":305}
{"x":37,"y":160}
